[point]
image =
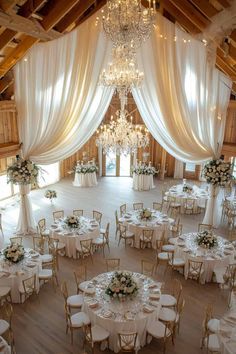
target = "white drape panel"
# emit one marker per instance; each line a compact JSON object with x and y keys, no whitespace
{"x":183,"y":99}
{"x":214,"y":206}
{"x":58,"y":99}
{"x":26,"y":223}
{"x":179,"y":169}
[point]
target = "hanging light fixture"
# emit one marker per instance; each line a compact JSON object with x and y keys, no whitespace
{"x":127,"y":21}
{"x":121,"y":136}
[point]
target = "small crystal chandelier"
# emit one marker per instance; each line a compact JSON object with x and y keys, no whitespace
{"x":122,"y":73}
{"x":127,"y":21}
{"x":121,"y":136}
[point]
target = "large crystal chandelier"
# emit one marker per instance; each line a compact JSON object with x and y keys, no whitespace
{"x":121,"y":136}
{"x":122,"y":74}
{"x":127,"y":21}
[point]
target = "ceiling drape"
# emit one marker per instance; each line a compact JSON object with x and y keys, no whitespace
{"x":184,"y":99}
{"x":58,"y":99}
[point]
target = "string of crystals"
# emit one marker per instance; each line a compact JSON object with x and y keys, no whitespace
{"x":127,"y":21}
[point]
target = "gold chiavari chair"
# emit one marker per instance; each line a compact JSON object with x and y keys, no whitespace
{"x":231,"y":270}
{"x":112,"y":264}
{"x":172,"y":299}
{"x":73,"y":301}
{"x":27,"y":288}
{"x":146,"y":238}
{"x":59,"y":214}
{"x":6,"y":313}
{"x":43,"y":231}
{"x":209,"y":337}
{"x":147,"y":268}
{"x":84,"y":249}
{"x":204,"y":227}
{"x":128,"y":342}
{"x":176,"y":263}
{"x":5,"y":294}
{"x":1,"y":229}
{"x":102,"y":241}
{"x":97,"y":216}
{"x":195,"y":269}
{"x":56,"y":248}
{"x":126,"y":235}
{"x":137,"y":206}
{"x":80,"y":275}
{"x":190,"y":206}
{"x":16,"y":240}
{"x":161,"y":257}
{"x":161,"y":331}
{"x":179,"y":311}
{"x":117,"y":223}
{"x":95,"y":335}
{"x":157,"y":206}
{"x":174,"y":204}
{"x":78,"y":212}
{"x":38,"y":244}
{"x":122,"y":209}
{"x":49,"y":273}
{"x":75,"y":322}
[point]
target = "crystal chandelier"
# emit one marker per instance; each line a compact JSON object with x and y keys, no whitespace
{"x":127,"y":21}
{"x":121,"y":136}
{"x":122,"y":74}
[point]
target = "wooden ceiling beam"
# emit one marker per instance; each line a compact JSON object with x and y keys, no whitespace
{"x":205,"y":7}
{"x":6,"y":36}
{"x":180,"y":17}
{"x":7,"y":5}
{"x":191,"y":13}
{"x":233,"y":35}
{"x":20,"y":24}
{"x":99,"y":4}
{"x":224,"y":3}
{"x":222,"y":65}
{"x":77,"y":11}
{"x":9,"y":92}
{"x":5,"y":82}
{"x":57,"y":11}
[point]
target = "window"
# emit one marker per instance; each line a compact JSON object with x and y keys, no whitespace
{"x":190,"y":167}
{"x":50,"y":174}
{"x":5,"y":189}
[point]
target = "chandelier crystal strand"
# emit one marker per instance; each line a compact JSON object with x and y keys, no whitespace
{"x":121,"y":136}
{"x":127,"y":21}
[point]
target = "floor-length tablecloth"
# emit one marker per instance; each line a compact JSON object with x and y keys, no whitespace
{"x":85,"y":179}
{"x":143,"y":182}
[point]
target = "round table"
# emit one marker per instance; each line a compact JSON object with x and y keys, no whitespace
{"x":142,"y":182}
{"x":85,"y":179}
{"x":219,"y":256}
{"x":199,"y":195}
{"x":128,"y":316}
{"x":159,"y":223}
{"x":11,"y":274}
{"x":89,"y":229}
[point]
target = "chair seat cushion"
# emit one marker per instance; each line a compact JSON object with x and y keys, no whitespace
{"x":4,"y":326}
{"x":45,"y":274}
{"x":168,"y":248}
{"x":213,"y":343}
{"x":163,"y":256}
{"x":167,"y":300}
{"x":45,"y":258}
{"x":167,"y":315}
{"x":177,"y":262}
{"x":79,"y":319}
{"x":61,"y":246}
{"x":213,"y":325}
{"x":75,"y":300}
{"x":4,"y":290}
{"x":172,"y":240}
{"x":129,"y":234}
{"x":98,"y":241}
{"x":99,"y":334}
{"x":157,"y":329}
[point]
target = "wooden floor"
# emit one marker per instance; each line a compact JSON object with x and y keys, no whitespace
{"x":39,"y":324}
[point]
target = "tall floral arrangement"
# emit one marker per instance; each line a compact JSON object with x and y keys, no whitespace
{"x":14,"y":253}
{"x":122,"y":285}
{"x":22,"y":172}
{"x":90,"y":168}
{"x":218,"y":172}
{"x":144,"y":170}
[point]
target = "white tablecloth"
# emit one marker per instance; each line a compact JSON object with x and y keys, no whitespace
{"x":158,"y":223}
{"x":89,"y":229}
{"x":198,"y":194}
{"x":12,"y":274}
{"x":219,"y":256}
{"x":4,"y":347}
{"x":120,"y":312}
{"x":85,"y":179}
{"x":143,"y":182}
{"x":227,"y":332}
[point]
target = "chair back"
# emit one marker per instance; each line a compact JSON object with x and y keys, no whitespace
{"x":147,"y":268}
{"x":112,"y":264}
{"x":177,"y":289}
{"x":207,"y":317}
{"x":157,"y":206}
{"x":38,"y":244}
{"x":53,"y":245}
{"x":148,"y":235}
{"x":42,"y":225}
{"x":106,"y":235}
{"x":180,"y":306}
{"x":122,"y":209}
{"x":123,"y":230}
{"x":68,"y":316}
{"x":78,"y":212}
{"x":80,"y":274}
{"x":127,"y":341}
{"x":88,"y":334}
{"x":29,"y":285}
{"x":137,"y":206}
{"x":97,"y":216}
{"x":204,"y":227}
{"x":16,"y":240}
{"x":194,"y":268}
{"x":86,"y":246}
{"x":64,"y":290}
{"x":58,"y":215}
{"x":6,"y":312}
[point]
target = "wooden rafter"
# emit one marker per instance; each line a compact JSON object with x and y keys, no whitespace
{"x":224,"y":3}
{"x":5,"y":83}
{"x":99,"y":5}
{"x":205,"y":7}
{"x":7,"y":5}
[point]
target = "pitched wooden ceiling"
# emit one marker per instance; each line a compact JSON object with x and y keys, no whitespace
{"x":26,"y":22}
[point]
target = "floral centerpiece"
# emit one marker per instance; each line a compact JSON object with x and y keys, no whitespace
{"x":217,"y":172}
{"x":50,"y":194}
{"x":14,"y":253}
{"x":122,"y":285}
{"x":89,"y":168}
{"x":145,"y":214}
{"x":144,"y":170}
{"x":22,"y":172}
{"x":187,"y":188}
{"x":72,"y":222}
{"x":206,"y":239}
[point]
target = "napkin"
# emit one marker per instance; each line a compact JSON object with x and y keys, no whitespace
{"x":106,"y":314}
{"x":129,"y":316}
{"x":93,"y":304}
{"x":147,"y":308}
{"x":155,"y":297}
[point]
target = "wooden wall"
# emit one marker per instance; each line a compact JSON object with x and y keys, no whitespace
{"x":229,"y":147}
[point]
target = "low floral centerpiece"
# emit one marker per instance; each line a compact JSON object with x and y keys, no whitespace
{"x":145,"y":214}
{"x":122,"y":285}
{"x":89,"y":168}
{"x":187,"y":188}
{"x":22,"y":172}
{"x":144,"y":170}
{"x":206,"y":239}
{"x":14,"y":253}
{"x":72,"y":222}
{"x":50,"y":194}
{"x":217,"y":172}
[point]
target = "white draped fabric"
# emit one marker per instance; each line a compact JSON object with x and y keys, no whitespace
{"x":179,"y":169}
{"x":26,"y":223}
{"x":183,"y":99}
